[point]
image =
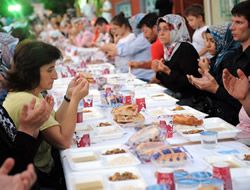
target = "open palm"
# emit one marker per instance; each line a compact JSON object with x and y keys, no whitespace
{"x":236,"y":87}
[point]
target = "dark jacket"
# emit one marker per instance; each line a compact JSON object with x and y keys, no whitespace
{"x":15,"y":144}
{"x":183,"y":62}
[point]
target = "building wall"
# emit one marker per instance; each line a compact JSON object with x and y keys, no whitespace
{"x":213,"y":12}
{"x":135,"y":6}
{"x":213,"y":8}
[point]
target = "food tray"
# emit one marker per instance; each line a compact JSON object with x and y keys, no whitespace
{"x":91,"y":158}
{"x":225,"y":130}
{"x":97,"y":134}
{"x":102,"y":177}
{"x":232,"y":160}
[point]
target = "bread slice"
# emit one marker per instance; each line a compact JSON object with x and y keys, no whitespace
{"x":187,"y":120}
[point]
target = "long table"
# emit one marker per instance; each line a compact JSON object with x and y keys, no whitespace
{"x":198,"y":154}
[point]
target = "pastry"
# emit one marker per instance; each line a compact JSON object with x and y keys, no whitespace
{"x":122,"y":176}
{"x":115,"y":151}
{"x":187,"y":120}
{"x":104,"y":124}
{"x":247,"y":157}
{"x":177,"y":108}
{"x":169,"y":155}
{"x":192,"y":131}
{"x":148,"y":134}
{"x":127,"y":114}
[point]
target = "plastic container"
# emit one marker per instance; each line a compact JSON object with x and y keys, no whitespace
{"x":187,"y":184}
{"x":201,"y":175}
{"x":180,"y":174}
{"x":214,"y":183}
{"x":170,"y":157}
{"x":209,"y":139}
{"x":158,"y":187}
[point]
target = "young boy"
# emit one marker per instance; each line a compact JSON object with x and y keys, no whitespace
{"x":195,"y":17}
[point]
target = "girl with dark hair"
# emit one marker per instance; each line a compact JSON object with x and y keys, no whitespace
{"x":33,"y":71}
{"x":122,"y":33}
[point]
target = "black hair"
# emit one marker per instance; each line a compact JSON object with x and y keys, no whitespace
{"x":242,"y":9}
{"x":120,"y":20}
{"x":148,"y":20}
{"x":21,"y":33}
{"x":195,"y":10}
{"x":29,"y":56}
{"x":100,"y":21}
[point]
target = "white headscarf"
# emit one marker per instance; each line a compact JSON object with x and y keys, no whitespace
{"x":178,"y":34}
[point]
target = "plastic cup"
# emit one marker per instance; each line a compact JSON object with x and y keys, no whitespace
{"x":209,"y":139}
{"x":88,"y":101}
{"x":79,"y":118}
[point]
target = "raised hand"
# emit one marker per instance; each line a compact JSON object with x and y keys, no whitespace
{"x":72,"y":84}
{"x":81,"y":89}
{"x":155,"y":64}
{"x":31,"y":117}
{"x":204,"y":64}
{"x":21,"y":181}
{"x":163,"y":68}
{"x":134,"y":64}
{"x":50,"y":101}
{"x":207,"y":82}
{"x":236,"y":87}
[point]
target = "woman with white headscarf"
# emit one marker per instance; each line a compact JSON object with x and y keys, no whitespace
{"x":180,"y":57}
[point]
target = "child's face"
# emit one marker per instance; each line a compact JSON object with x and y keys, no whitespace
{"x":210,"y":43}
{"x":194,"y":22}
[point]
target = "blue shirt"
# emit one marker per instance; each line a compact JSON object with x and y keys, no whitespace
{"x":139,"y":50}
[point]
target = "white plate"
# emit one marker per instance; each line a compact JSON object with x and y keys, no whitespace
{"x":225,"y":130}
{"x":157,"y":111}
{"x":103,"y":176}
{"x":98,"y":160}
{"x":187,"y":111}
{"x":92,"y":113}
{"x":98,"y":134}
{"x":154,"y":88}
{"x":77,"y":182}
{"x":240,"y":178}
{"x":242,"y":156}
{"x":230,"y":159}
{"x":161,"y":97}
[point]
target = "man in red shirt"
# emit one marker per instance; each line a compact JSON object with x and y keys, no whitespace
{"x":149,"y":28}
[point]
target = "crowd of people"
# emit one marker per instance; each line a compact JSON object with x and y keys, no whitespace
{"x":208,"y":71}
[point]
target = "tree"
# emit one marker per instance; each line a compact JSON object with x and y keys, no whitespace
{"x":58,"y":6}
{"x":26,"y":8}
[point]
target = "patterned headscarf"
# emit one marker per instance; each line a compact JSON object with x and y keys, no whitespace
{"x":178,"y":34}
{"x":224,"y":42}
{"x":7,"y":47}
{"x":218,"y":33}
{"x":134,"y":21}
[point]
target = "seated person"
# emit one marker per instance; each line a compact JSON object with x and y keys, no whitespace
{"x":196,"y":20}
{"x":81,"y":35}
{"x":102,"y":29}
{"x":180,"y":57}
{"x":132,"y":46}
{"x":218,"y":102}
{"x":148,"y":25}
{"x":33,"y":71}
{"x":21,"y":181}
{"x":238,"y":87}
